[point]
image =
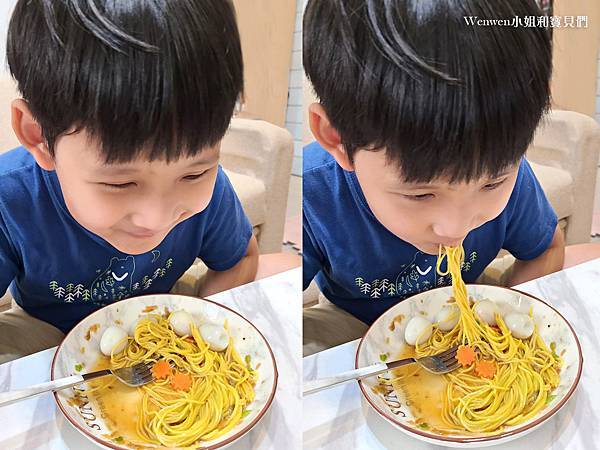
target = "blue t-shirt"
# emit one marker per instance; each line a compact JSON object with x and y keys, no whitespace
{"x":60,"y":272}
{"x":364,"y":269}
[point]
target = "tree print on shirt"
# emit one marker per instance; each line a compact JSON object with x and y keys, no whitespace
{"x":111,"y":284}
{"x":70,"y":293}
{"x":416,"y":276}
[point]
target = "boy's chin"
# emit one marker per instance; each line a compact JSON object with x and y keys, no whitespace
{"x":430,"y":249}
{"x":136,"y":248}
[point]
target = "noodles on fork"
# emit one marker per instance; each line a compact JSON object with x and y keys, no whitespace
{"x":221,"y":385}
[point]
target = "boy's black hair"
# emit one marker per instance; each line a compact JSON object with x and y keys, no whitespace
{"x":444,"y":98}
{"x":154,"y":77}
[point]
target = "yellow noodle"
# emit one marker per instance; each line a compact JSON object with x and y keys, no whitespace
{"x":527,"y":371}
{"x":222,"y":385}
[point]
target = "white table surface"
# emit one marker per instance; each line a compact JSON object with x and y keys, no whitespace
{"x":272,"y":304}
{"x":338,"y":418}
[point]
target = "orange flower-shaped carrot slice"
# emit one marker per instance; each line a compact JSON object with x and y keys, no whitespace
{"x":485,"y":369}
{"x":161,"y":370}
{"x":465,"y":355}
{"x":181,"y":382}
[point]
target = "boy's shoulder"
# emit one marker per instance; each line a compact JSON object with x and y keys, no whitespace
{"x":13,"y":160}
{"x":315,"y":158}
{"x":329,"y":193}
{"x":322,"y":177}
{"x":19,"y":178}
{"x":23,"y":193}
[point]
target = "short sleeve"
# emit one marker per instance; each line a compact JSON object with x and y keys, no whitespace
{"x":312,"y":260}
{"x":228,"y":231}
{"x":531,"y":219}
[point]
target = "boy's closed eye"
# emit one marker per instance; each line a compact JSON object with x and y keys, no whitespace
{"x":426,"y":196}
{"x":131,"y":184}
{"x":418,"y":197}
{"x":195,"y":176}
{"x":118,"y":186}
{"x":494,"y":185}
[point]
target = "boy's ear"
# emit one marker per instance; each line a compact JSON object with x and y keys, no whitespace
{"x":328,"y":137}
{"x":29,"y":133}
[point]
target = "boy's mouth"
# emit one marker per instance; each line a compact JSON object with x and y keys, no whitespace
{"x":432,"y":248}
{"x":448,"y":244}
{"x":145,"y":233}
{"x":142,"y":234}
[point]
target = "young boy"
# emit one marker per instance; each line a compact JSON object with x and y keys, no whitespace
{"x":422,"y":126}
{"x":117,"y":188}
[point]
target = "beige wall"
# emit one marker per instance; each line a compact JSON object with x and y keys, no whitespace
{"x":576,"y":57}
{"x":266,"y":28}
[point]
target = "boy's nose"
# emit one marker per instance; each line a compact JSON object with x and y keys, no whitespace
{"x":444,"y":237}
{"x":454,"y":223}
{"x":156,"y":218}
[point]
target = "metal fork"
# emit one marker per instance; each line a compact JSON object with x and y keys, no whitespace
{"x":136,"y":375}
{"x":441,"y":363}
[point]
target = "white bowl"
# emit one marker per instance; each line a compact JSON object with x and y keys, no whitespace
{"x":385,"y":338}
{"x":76,"y":349}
